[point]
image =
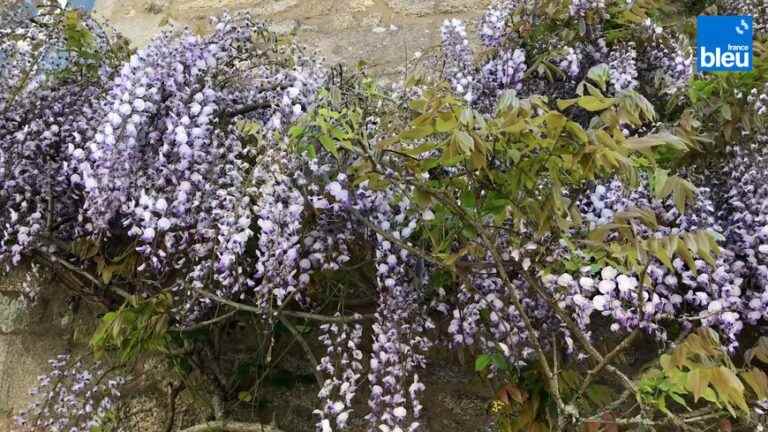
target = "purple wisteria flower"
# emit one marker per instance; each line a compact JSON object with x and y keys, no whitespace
{"x":73,"y":397}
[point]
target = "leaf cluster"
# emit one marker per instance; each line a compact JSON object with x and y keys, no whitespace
{"x":699,"y":368}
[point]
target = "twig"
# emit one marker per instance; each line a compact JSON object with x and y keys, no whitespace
{"x":204,"y":324}
{"x":247,"y":108}
{"x":328,"y":318}
{"x":607,"y":359}
{"x":296,"y":314}
{"x":627,"y":393}
{"x":400,"y":243}
{"x":307,"y":349}
{"x":56,"y":260}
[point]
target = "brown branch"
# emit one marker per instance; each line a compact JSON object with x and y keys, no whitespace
{"x":400,"y":243}
{"x":173,"y":393}
{"x":627,"y":393}
{"x":606,"y":360}
{"x":329,"y":318}
{"x":295,"y":314}
{"x":230,"y":426}
{"x":305,"y":346}
{"x":204,"y":324}
{"x":10,"y":293}
{"x":52,"y":259}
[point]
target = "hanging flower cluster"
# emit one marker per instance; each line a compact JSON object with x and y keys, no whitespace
{"x":505,"y":72}
{"x":288,"y":254}
{"x":622,"y":69}
{"x":25,"y":46}
{"x":664,"y":59}
{"x":39,"y":184}
{"x":74,"y":397}
{"x":726,"y":294}
{"x":399,"y":342}
{"x":152,"y":151}
{"x":459,"y":59}
{"x":492,"y":28}
{"x":343,"y":367}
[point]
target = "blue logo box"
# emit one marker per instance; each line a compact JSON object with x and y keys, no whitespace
{"x":724,"y":43}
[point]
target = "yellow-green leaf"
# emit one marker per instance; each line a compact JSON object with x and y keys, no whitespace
{"x":729,"y":388}
{"x":465,"y":141}
{"x":555,"y":123}
{"x":446,"y":122}
{"x":329,"y":145}
{"x":697,"y":382}
{"x":653,"y":140}
{"x":595,"y":103}
{"x":565,"y":103}
{"x":758,"y":381}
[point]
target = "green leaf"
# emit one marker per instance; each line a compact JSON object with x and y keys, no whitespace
{"x":677,"y":398}
{"x":658,"y":181}
{"x":446,"y":122}
{"x":697,"y":382}
{"x":245,"y":396}
{"x":467,"y":117}
{"x":465,"y":141}
{"x":467,"y":199}
{"x":106,"y":274}
{"x":709,"y":395}
{"x":329,"y":144}
{"x":482,"y":362}
{"x":563,"y":104}
{"x":659,"y":249}
{"x":758,"y":381}
{"x":577,"y":131}
{"x":729,"y":388}
{"x":684,"y":253}
{"x":595,"y":103}
{"x":725,"y":111}
{"x":654,"y":140}
{"x":555,"y":123}
{"x":507,"y":100}
{"x":760,"y":350}
{"x":666,"y":362}
{"x":600,"y":74}
{"x":419,"y":105}
{"x":418,"y":132}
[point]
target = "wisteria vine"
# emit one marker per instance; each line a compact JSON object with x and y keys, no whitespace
{"x":186,"y":158}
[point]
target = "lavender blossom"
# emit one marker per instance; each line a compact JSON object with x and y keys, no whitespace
{"x":342,"y":365}
{"x":622,"y":68}
{"x":74,"y":396}
{"x":459,"y":68}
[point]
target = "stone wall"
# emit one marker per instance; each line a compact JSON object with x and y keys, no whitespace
{"x":381,"y":32}
{"x":29,"y":337}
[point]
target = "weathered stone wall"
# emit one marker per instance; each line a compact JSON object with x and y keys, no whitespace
{"x":29,"y":336}
{"x":381,"y":32}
